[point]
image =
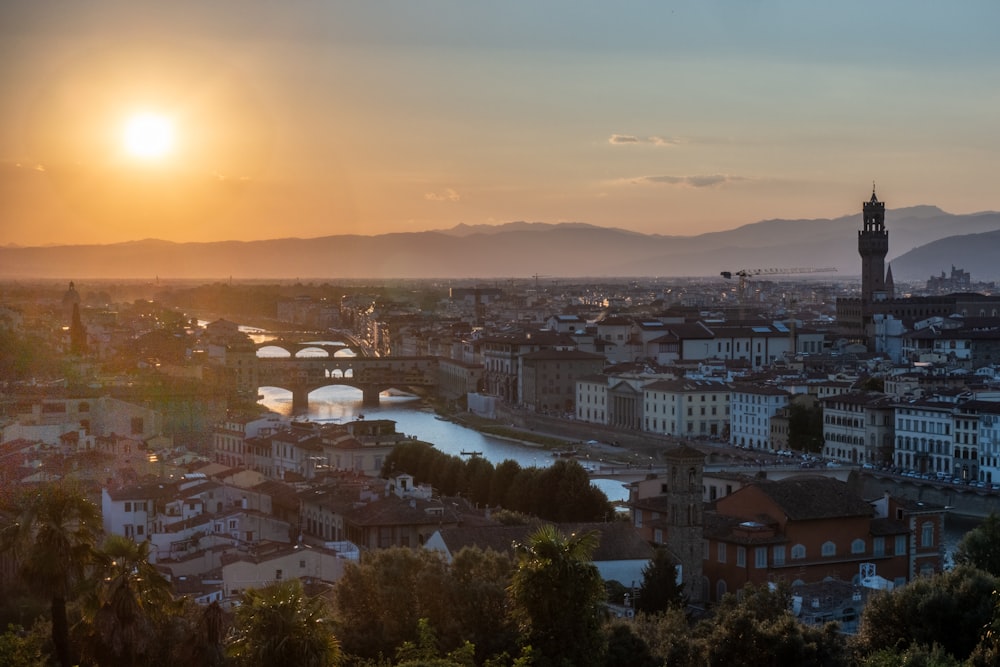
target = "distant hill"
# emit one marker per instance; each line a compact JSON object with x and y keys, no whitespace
{"x":979,"y":254}
{"x":526,"y":248}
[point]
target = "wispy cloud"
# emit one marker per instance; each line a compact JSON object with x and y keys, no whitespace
{"x":695,"y":181}
{"x":623,"y":139}
{"x":655,"y":140}
{"x":449,"y":194}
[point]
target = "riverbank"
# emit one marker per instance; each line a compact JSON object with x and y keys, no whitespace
{"x":555,"y":443}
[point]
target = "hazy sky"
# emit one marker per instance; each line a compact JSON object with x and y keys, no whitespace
{"x":314,"y":117}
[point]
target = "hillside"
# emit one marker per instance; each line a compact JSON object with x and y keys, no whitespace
{"x":923,"y":240}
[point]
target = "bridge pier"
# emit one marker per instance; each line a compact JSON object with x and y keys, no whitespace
{"x":370,"y":396}
{"x":300,"y":401}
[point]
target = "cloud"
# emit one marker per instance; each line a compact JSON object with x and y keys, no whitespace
{"x":664,"y":141}
{"x":448,"y":195}
{"x":697,"y":181}
{"x":623,"y":139}
{"x":654,"y":140}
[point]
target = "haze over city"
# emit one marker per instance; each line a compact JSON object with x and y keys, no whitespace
{"x":192,"y":121}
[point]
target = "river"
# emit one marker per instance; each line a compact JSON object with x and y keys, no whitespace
{"x":340,"y":404}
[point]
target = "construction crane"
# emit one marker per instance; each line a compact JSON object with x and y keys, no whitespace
{"x":745,"y":275}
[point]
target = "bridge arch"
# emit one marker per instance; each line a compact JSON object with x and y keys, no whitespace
{"x":371,"y":375}
{"x":331,"y":345}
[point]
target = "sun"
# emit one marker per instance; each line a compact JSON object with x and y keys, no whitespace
{"x":148,"y":136}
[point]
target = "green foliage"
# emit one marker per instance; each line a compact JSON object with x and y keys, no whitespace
{"x":52,"y":538}
{"x":127,"y":604}
{"x":668,"y":637}
{"x":558,"y":598}
{"x":627,"y":649}
{"x":22,"y":648}
{"x":987,"y":652}
{"x":912,"y":656}
{"x":561,"y":492}
{"x":980,"y":547}
{"x":949,"y":609}
{"x":280,"y":625}
{"x":27,"y":356}
{"x":757,"y":629}
{"x":379,"y":601}
{"x":660,"y":589}
{"x":382,"y":601}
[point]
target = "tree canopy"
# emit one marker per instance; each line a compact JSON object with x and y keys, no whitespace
{"x":980,"y":547}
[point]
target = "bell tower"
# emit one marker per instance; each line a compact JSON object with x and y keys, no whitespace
{"x":873,"y":246}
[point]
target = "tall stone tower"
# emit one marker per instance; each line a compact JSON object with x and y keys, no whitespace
{"x":685,"y":520}
{"x":873,"y":246}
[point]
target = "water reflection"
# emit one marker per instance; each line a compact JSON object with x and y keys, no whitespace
{"x":343,"y":404}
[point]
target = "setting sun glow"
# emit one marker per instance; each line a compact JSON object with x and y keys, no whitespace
{"x":148,"y":136}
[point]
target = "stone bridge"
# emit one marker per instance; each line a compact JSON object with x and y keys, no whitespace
{"x":330,"y":342}
{"x":372,"y":375}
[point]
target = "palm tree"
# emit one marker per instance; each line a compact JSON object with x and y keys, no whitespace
{"x":558,"y":596}
{"x":281,"y":625}
{"x":52,"y":539}
{"x":129,"y":601}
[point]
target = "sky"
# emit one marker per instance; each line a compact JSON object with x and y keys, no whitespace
{"x":310,"y":118}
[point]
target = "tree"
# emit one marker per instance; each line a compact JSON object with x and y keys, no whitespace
{"x":380,"y":600}
{"x":627,"y":649}
{"x":980,"y":547}
{"x":128,"y":607}
{"x":987,"y":652}
{"x":660,"y":589}
{"x":949,"y":609}
{"x":558,"y":598}
{"x":912,"y":656}
{"x":758,"y":630}
{"x":479,"y":581}
{"x":280,"y":625}
{"x":53,"y":539}
{"x":22,"y":648}
{"x":668,"y":636}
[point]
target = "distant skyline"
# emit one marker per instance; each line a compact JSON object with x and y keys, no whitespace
{"x":207,"y":121}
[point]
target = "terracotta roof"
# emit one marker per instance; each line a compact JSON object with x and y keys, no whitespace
{"x":804,"y":498}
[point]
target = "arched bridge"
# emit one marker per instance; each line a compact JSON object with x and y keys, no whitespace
{"x":372,"y":375}
{"x":329,"y":343}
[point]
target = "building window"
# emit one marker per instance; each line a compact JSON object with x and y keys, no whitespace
{"x":829,"y":549}
{"x":927,"y":534}
{"x":741,"y":556}
{"x":721,"y":555}
{"x":302,"y":563}
{"x":858,"y":546}
{"x":779,"y":554}
{"x":638,"y":518}
{"x":878,"y":546}
{"x":760,"y":558}
{"x":136,"y":425}
{"x":900,"y":545}
{"x":277,"y":575}
{"x":798,"y":552}
{"x":128,"y":507}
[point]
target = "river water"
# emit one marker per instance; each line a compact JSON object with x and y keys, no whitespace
{"x":340,"y":404}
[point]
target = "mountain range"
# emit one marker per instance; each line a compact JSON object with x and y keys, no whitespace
{"x":923,"y":241}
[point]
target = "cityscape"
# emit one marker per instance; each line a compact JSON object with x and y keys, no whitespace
{"x":543,"y":335}
{"x":843,"y":433}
